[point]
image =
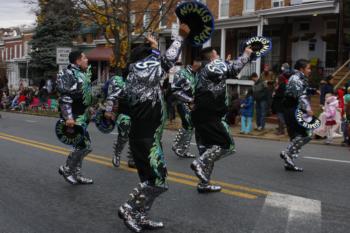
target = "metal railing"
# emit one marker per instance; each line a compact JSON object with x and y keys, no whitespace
{"x":347,"y":63}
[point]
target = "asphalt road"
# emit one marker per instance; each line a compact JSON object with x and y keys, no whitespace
{"x":258,"y":195}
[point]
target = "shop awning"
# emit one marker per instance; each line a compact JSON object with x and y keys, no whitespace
{"x":100,"y":54}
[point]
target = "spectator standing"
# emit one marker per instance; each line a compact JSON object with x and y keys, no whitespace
{"x":331,"y":108}
{"x":269,"y":78}
{"x":233,"y":109}
{"x":277,"y":103}
{"x":247,"y":110}
{"x":326,"y":87}
{"x":346,"y":120}
{"x":260,"y":96}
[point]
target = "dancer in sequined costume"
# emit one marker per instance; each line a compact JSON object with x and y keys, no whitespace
{"x":210,"y":107}
{"x":297,"y":96}
{"x":183,"y":88}
{"x":116,"y":85}
{"x":148,"y":114}
{"x":74,"y":85}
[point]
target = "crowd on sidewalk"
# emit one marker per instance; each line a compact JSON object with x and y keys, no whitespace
{"x":265,"y":99}
{"x":29,"y":98}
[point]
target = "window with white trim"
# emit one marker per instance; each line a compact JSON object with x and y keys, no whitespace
{"x":249,"y":6}
{"x":277,"y":3}
{"x":224,"y":8}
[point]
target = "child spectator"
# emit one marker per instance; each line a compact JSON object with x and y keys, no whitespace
{"x":247,"y":109}
{"x":233,"y":109}
{"x":346,"y":121}
{"x":331,"y":107}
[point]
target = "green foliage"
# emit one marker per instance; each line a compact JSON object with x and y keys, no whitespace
{"x":57,"y":23}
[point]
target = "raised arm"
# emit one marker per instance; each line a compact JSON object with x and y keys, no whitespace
{"x":67,"y":86}
{"x":115,"y":90}
{"x":181,"y":86}
{"x":173,"y":52}
{"x":239,"y":63}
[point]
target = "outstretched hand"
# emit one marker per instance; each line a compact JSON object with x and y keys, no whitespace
{"x":109,"y":116}
{"x":248,"y":50}
{"x":184,"y":30}
{"x":70,"y":123}
{"x":152,"y":40}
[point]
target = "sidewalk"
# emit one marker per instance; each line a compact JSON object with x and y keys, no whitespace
{"x":267,"y":134}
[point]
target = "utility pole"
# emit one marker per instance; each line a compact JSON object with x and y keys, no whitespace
{"x":340,"y":34}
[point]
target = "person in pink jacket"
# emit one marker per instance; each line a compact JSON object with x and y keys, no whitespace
{"x":331,"y":108}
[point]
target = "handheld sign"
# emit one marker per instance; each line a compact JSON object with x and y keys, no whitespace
{"x":102,"y":124}
{"x":69,"y":135}
{"x":198,"y":18}
{"x":259,"y":44}
{"x":306,"y":121}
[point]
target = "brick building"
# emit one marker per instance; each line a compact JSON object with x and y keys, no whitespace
{"x":14,"y":50}
{"x":298,"y":29}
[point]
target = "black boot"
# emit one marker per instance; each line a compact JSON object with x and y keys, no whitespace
{"x":116,"y":161}
{"x":67,"y":174}
{"x":118,"y":147}
{"x":131,"y":161}
{"x":208,"y":188}
{"x":133,"y":212}
{"x":148,"y":224}
{"x":188,"y":155}
{"x":178,"y":140}
{"x":289,"y":163}
{"x":81,"y":179}
{"x":199,"y":169}
{"x":131,"y":217}
{"x":203,"y":166}
{"x":293,"y":168}
{"x":78,"y":175}
{"x":287,"y":159}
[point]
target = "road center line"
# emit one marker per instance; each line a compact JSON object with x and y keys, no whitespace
{"x":104,"y":161}
{"x":178,"y":174}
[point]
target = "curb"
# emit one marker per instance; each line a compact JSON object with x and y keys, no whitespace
{"x":237,"y":135}
{"x":31,"y":113}
{"x":282,"y":139}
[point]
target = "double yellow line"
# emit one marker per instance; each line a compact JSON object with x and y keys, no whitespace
{"x":182,"y":178}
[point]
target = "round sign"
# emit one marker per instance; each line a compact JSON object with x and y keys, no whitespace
{"x":69,"y":135}
{"x":259,"y":44}
{"x":104,"y":125}
{"x":199,"y":19}
{"x":306,"y":121}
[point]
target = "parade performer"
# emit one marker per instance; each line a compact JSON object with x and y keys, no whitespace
{"x":210,"y":106}
{"x":148,"y":114}
{"x":116,"y":85}
{"x":74,"y":86}
{"x":297,"y":97}
{"x":183,"y":87}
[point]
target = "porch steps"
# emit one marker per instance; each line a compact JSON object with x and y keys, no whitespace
{"x":342,"y":75}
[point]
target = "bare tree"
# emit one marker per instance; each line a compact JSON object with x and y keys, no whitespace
{"x":123,"y":22}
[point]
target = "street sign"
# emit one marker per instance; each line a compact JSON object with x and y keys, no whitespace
{"x":62,"y":55}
